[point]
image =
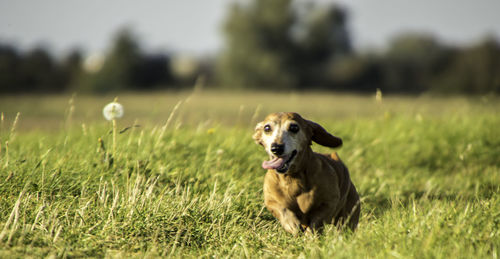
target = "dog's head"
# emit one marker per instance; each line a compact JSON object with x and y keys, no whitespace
{"x":286,"y":136}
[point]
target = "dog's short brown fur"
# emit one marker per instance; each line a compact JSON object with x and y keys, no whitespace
{"x":304,"y":189}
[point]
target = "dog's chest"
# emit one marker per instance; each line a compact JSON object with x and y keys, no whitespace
{"x":305,"y":201}
{"x":298,"y":195}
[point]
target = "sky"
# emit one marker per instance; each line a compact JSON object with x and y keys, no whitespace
{"x":193,"y":26}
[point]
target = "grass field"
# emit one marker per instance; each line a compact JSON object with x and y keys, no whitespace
{"x":186,"y":181}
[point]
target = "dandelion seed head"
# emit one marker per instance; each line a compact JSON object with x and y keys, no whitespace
{"x":112,"y":111}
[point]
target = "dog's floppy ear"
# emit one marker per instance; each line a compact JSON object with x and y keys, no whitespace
{"x":321,"y":136}
{"x":257,"y":135}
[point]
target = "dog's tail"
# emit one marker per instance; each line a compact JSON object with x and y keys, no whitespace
{"x":335,"y":156}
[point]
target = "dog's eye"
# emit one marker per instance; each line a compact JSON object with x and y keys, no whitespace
{"x":294,"y":128}
{"x":267,"y":128}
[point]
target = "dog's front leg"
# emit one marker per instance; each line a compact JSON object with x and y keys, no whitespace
{"x":320,"y":216}
{"x":290,"y":222}
{"x":287,"y":218}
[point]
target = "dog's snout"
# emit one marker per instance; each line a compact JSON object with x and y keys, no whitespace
{"x":277,"y":149}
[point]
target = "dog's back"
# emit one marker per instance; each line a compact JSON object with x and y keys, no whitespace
{"x":350,"y":203}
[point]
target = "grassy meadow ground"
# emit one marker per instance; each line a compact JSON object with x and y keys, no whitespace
{"x":186,"y":180}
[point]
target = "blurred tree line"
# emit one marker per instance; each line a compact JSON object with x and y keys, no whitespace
{"x":280,"y":45}
{"x":125,"y":67}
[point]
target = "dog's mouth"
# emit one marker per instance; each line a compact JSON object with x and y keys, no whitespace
{"x":280,"y":164}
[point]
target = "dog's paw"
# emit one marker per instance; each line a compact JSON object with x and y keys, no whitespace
{"x":291,"y":223}
{"x":309,"y":232}
{"x":292,"y":228}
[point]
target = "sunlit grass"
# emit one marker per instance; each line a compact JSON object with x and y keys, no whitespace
{"x":187,"y":182}
{"x":46,"y":112}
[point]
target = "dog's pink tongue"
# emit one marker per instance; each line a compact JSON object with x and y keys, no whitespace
{"x":273,"y":164}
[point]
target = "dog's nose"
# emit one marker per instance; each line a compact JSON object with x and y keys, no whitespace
{"x":277,"y":149}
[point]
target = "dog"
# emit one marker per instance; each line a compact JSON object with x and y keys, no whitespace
{"x":305,"y":190}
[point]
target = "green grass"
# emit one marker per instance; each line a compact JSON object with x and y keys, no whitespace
{"x":427,"y":169}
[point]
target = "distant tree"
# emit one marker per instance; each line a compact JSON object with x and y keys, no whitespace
{"x":323,"y":40}
{"x":117,"y":72}
{"x":412,"y":61}
{"x":259,"y":47}
{"x":9,"y":69}
{"x":359,"y":73}
{"x":127,"y":67}
{"x":71,"y":68}
{"x":40,"y":72}
{"x":152,"y":71}
{"x":474,"y":70}
{"x":280,"y":44}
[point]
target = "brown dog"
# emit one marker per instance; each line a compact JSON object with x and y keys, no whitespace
{"x":304,"y":189}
